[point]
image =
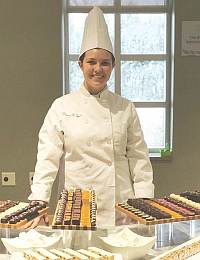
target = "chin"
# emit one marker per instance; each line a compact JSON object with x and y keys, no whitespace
{"x":95,"y":87}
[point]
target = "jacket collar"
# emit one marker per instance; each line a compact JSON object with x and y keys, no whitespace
{"x":100,"y":95}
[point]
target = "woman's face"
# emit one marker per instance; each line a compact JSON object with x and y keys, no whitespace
{"x":97,"y":67}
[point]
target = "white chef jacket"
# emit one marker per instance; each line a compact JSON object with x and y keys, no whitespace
{"x":103,"y":148}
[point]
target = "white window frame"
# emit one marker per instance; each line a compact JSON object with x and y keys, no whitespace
{"x":117,"y":9}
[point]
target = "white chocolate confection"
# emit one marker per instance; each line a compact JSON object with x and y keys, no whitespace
{"x":77,"y":255}
{"x":185,"y":200}
{"x":21,"y":205}
{"x":31,"y":255}
{"x":105,"y":254}
{"x":47,"y":254}
{"x":62,"y":255}
{"x":90,"y":255}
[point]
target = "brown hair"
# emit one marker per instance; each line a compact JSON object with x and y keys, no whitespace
{"x":81,"y":58}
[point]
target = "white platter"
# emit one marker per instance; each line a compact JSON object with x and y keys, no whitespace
{"x":30,"y":240}
{"x":127,"y":243}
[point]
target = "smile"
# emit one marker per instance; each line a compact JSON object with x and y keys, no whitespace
{"x":98,"y":76}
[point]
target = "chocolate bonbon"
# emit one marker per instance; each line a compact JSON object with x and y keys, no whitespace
{"x":76,"y":209}
{"x":173,"y":208}
{"x":148,"y":209}
{"x":19,"y":213}
{"x":6,"y":204}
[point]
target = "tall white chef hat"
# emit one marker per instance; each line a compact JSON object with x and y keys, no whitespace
{"x":95,"y":32}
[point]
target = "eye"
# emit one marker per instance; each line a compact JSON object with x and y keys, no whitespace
{"x":106,"y":63}
{"x":91,"y":62}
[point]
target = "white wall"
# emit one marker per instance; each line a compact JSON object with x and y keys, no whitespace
{"x":30,"y":79}
{"x":183,"y":172}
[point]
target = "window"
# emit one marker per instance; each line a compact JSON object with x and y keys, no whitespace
{"x":141,"y":35}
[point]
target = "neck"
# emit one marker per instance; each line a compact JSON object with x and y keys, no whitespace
{"x":94,"y":91}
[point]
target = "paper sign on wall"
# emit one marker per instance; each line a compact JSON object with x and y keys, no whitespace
{"x":191,"y":38}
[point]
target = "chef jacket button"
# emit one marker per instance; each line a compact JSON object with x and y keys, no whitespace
{"x":103,"y":102}
{"x":90,"y":165}
{"x":89,"y":143}
{"x":109,"y":163}
{"x":108,"y":141}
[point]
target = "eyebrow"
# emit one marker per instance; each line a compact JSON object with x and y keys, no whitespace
{"x":96,"y":59}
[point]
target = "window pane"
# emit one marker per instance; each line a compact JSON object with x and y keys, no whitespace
{"x":143,"y":2}
{"x":76,"y":77}
{"x":111,"y":84}
{"x":143,"y":33}
{"x":91,"y":2}
{"x":153,"y":125}
{"x":76,"y":27}
{"x":143,"y":80}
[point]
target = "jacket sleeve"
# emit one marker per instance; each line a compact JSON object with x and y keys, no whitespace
{"x":50,"y":150}
{"x":139,"y":162}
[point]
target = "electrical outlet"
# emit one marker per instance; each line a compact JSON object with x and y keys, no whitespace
{"x":31,"y":174}
{"x":8,"y":179}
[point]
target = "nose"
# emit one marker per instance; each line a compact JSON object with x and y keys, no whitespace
{"x":98,"y":67}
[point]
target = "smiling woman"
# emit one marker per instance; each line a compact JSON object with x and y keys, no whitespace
{"x":96,"y":66}
{"x":140,"y":31}
{"x":97,"y":132}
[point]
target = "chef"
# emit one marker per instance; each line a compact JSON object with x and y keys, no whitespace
{"x":96,"y":131}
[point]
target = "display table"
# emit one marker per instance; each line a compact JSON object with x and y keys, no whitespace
{"x":167,"y":235}
{"x":166,"y":223}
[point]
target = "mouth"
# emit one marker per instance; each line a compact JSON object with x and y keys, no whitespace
{"x":97,"y":77}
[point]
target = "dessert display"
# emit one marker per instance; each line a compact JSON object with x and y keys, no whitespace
{"x":92,"y":253}
{"x":163,"y":210}
{"x":183,"y":251}
{"x":17,"y":214}
{"x":76,"y":209}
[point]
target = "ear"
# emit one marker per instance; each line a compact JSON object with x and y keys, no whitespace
{"x":80,"y":63}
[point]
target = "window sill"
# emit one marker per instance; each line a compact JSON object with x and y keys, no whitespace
{"x":157,"y":157}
